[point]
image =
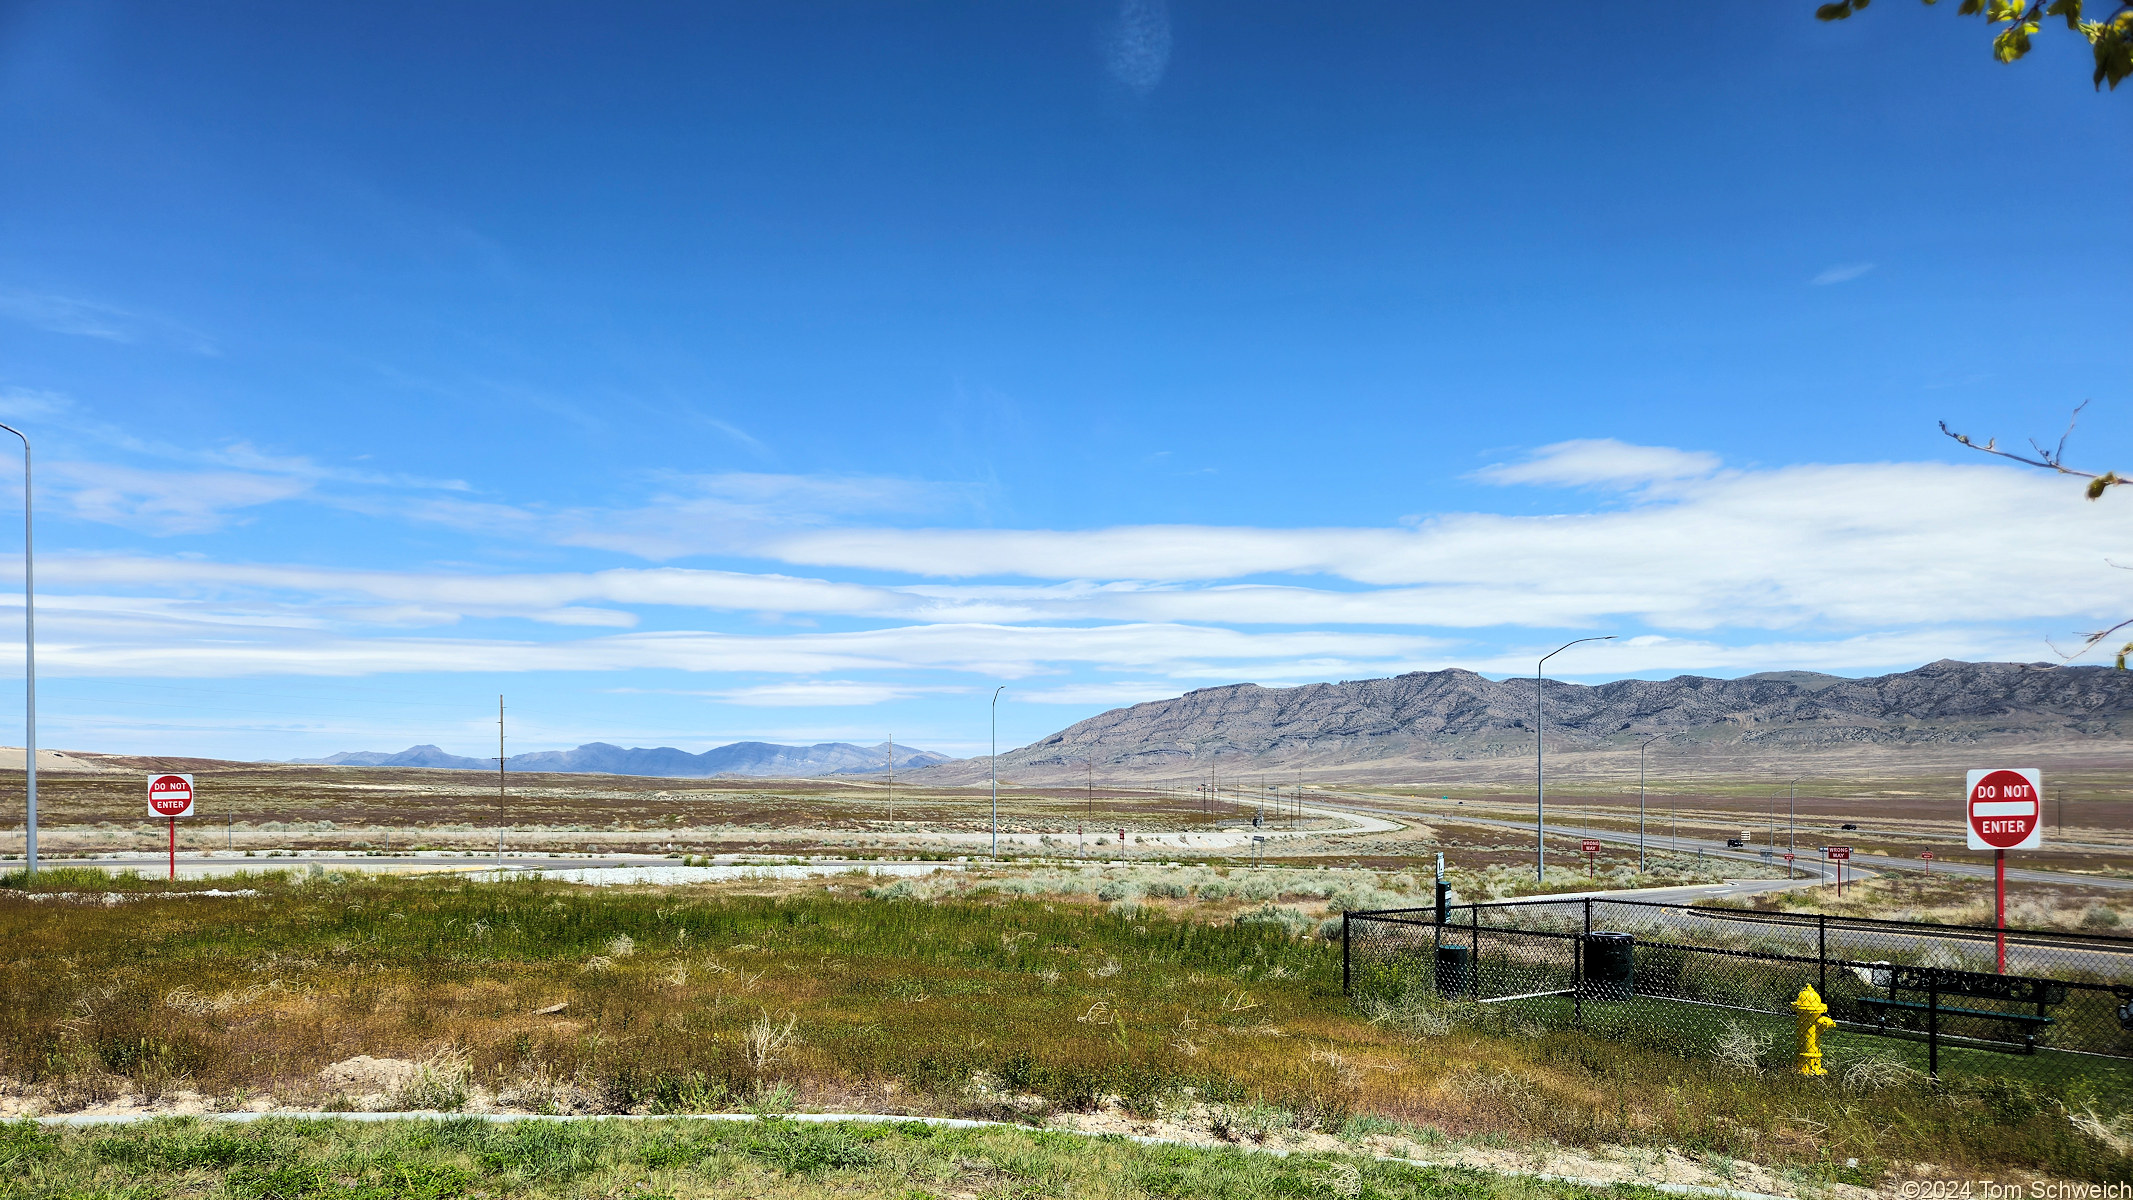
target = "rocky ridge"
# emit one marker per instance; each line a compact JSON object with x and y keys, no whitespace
{"x":1457,"y":717}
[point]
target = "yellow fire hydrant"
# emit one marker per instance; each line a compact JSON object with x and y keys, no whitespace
{"x":1810,"y":1012}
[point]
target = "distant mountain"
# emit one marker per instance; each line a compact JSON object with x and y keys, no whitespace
{"x":1458,"y":724}
{"x":413,"y":756}
{"x":602,"y":758}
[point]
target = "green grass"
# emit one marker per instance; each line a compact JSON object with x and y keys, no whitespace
{"x":435,"y":1160}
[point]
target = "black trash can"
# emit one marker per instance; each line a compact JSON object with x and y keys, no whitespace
{"x":1610,"y":966}
{"x":1455,"y":970}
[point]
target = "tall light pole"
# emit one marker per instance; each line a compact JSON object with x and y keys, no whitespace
{"x":1641,"y":748}
{"x":996,"y":771}
{"x":1792,"y":824}
{"x":500,"y":796}
{"x":29,"y":661}
{"x":1540,"y":779}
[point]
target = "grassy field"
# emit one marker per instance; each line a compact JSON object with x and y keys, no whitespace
{"x":258,"y":806}
{"x":440,"y":1159}
{"x":1956,"y":900}
{"x":544,"y":997}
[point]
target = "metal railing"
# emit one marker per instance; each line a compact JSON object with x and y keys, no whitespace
{"x":1698,"y":979}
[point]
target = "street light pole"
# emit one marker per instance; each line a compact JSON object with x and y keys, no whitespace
{"x":1792,"y":823}
{"x":1540,"y":781}
{"x":1641,"y":748}
{"x":29,"y":662}
{"x":995,"y":764}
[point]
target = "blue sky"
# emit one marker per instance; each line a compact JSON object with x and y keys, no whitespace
{"x":698,"y":372}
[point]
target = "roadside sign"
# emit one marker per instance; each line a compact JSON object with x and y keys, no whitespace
{"x":170,"y":795}
{"x":1839,"y":853}
{"x":1928,"y":856}
{"x":1788,"y":856}
{"x":2004,"y":809}
{"x":1592,"y":846}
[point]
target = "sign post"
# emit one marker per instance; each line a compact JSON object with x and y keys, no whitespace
{"x":2005,"y":811}
{"x":171,"y":796}
{"x":1927,"y":858}
{"x":1839,"y":855}
{"x":1789,"y":856}
{"x":1591,"y":847}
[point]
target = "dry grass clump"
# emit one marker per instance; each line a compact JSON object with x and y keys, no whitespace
{"x":438,"y":1083}
{"x":1741,"y":1049}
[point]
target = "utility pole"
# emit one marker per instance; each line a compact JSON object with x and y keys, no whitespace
{"x":892,"y":777}
{"x":1090,"y":763}
{"x":499,"y":784}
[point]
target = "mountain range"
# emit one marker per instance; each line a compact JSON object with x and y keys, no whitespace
{"x":1455,"y":724}
{"x":738,"y":758}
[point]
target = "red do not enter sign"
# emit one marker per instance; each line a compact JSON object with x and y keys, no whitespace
{"x":2004,"y":809}
{"x":170,"y":795}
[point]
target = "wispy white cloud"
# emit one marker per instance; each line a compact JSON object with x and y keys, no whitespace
{"x":1109,"y":694}
{"x":1137,"y":44}
{"x":830,"y":693}
{"x":1602,"y":462}
{"x":76,"y":317}
{"x":729,"y":513}
{"x":1859,"y":545}
{"x":1841,"y":273}
{"x":164,"y":502}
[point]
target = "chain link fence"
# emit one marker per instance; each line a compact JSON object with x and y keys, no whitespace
{"x":2055,"y":1007}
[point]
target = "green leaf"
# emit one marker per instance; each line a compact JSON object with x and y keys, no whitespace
{"x":2013,"y":41}
{"x":1834,"y":12}
{"x":2070,"y":9}
{"x":1970,"y":8}
{"x":2102,"y":483}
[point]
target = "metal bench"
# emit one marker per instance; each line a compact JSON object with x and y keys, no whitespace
{"x":1936,"y":982}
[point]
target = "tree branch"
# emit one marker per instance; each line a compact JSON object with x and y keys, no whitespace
{"x":2050,"y":460}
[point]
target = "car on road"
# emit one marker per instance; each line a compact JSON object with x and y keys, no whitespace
{"x":1735,"y":842}
{"x":1849,"y":827}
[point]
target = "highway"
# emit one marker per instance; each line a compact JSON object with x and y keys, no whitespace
{"x":1436,"y":812}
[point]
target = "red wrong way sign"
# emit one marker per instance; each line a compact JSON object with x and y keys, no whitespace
{"x":170,"y":795}
{"x":1592,"y":846}
{"x":2005,"y":809}
{"x":1839,"y":853}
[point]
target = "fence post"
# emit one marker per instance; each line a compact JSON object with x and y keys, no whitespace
{"x":1577,"y":984}
{"x":1933,"y":1029}
{"x":1474,"y":939}
{"x":1821,"y":955}
{"x":1344,"y":952}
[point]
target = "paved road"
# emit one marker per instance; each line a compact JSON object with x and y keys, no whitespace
{"x":1438,"y":813}
{"x":193,"y":865}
